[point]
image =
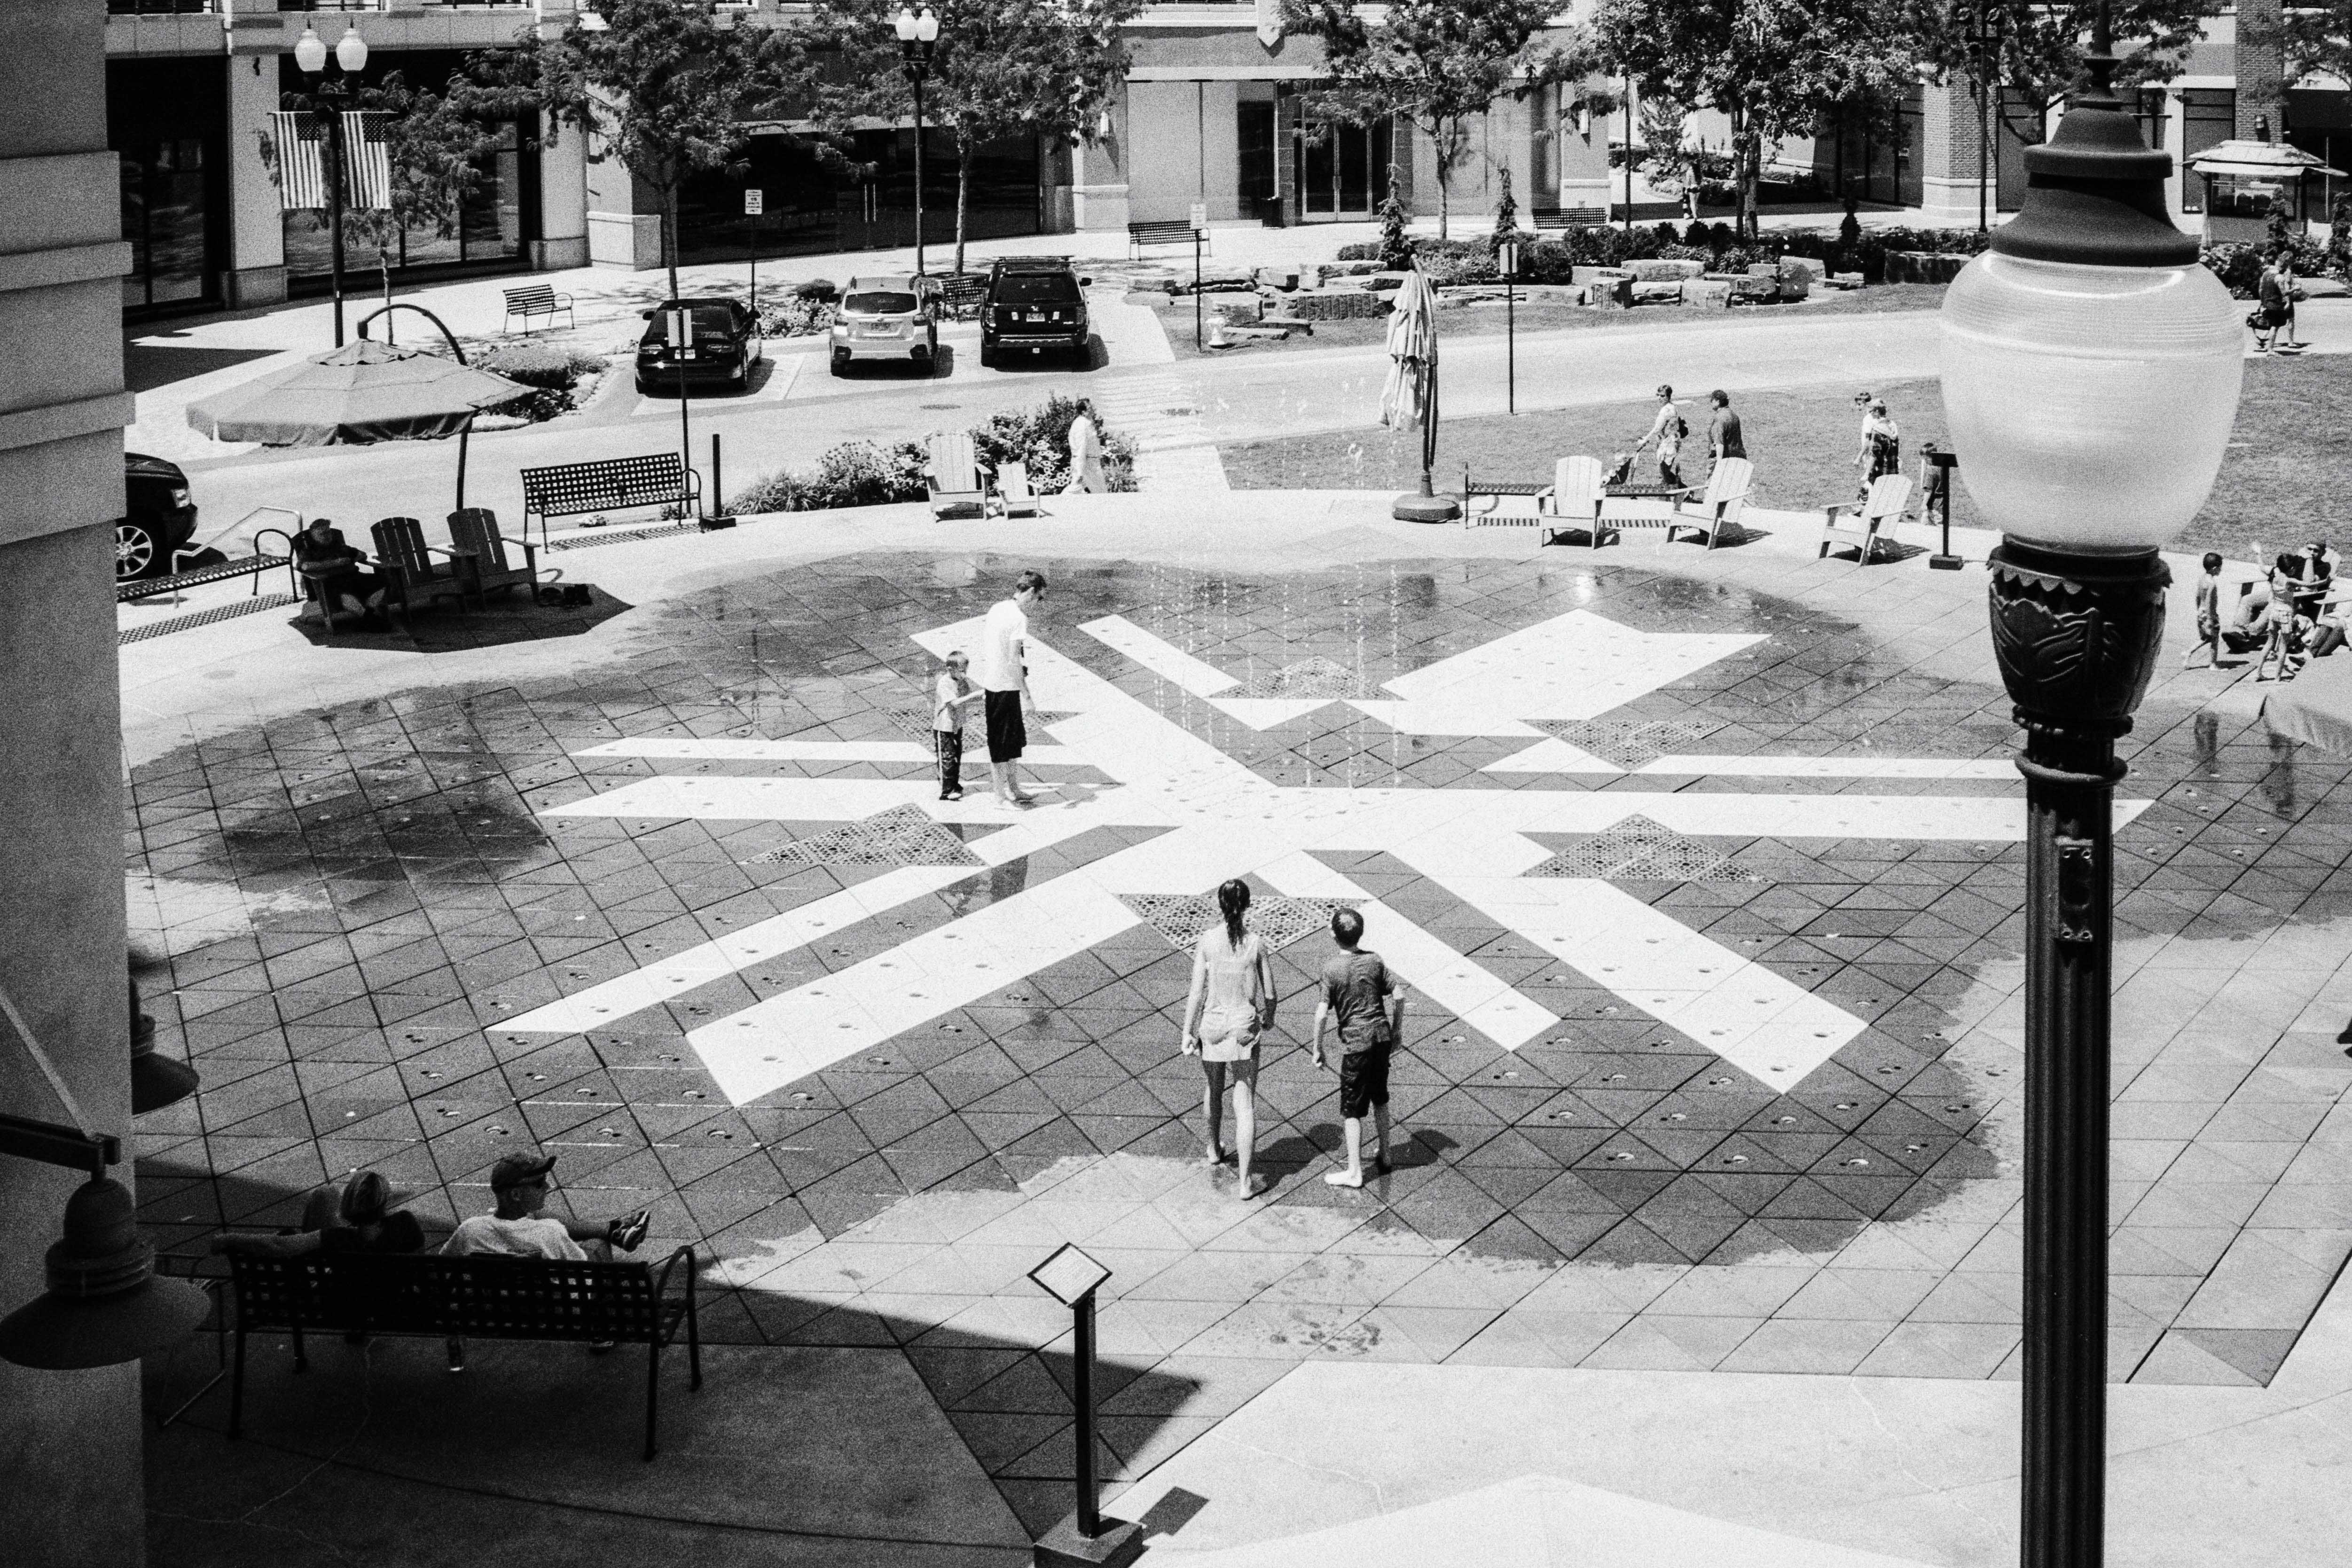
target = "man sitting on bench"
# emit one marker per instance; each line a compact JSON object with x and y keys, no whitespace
{"x":520,"y":1182}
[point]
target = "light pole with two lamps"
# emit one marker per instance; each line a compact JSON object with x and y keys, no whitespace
{"x":311,"y":56}
{"x":917,"y":36}
{"x":2091,"y":376}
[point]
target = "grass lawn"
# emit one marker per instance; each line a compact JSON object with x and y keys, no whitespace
{"x":2272,"y":488}
{"x":1534,"y":316}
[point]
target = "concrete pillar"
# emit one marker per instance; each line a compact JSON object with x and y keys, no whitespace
{"x":1581,"y":155}
{"x":257,"y":264}
{"x":1951,"y":153}
{"x":70,"y":1484}
{"x":562,"y":201}
{"x":2261,"y":68}
{"x":1098,"y":192}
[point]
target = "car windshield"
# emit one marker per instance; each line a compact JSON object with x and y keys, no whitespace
{"x":879,"y":303}
{"x":1037,"y":289}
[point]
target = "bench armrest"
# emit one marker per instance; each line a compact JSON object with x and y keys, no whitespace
{"x":661,"y":1278}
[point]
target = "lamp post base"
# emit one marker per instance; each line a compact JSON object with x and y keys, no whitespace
{"x":1412,"y":508}
{"x":1944,"y":564}
{"x":1120,"y":1543}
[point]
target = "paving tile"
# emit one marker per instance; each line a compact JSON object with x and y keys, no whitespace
{"x":1808,"y":1345}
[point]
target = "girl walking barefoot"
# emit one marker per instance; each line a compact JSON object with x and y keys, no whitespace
{"x":1233,"y":972}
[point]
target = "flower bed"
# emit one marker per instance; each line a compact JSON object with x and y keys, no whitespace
{"x":868,"y":473}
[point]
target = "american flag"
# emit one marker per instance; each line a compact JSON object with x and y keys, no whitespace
{"x":301,"y":141}
{"x":367,"y":158}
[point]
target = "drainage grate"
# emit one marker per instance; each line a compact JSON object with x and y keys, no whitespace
{"x":626,"y":536}
{"x":205,"y":617}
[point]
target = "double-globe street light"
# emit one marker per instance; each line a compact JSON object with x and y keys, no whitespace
{"x":337,"y":95}
{"x":917,"y":35}
{"x":2091,"y":375}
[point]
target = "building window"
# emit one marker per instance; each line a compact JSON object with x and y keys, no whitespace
{"x":2208,"y":117}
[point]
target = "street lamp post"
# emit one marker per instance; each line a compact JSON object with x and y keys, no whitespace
{"x":1987,"y":44}
{"x":2086,"y":327}
{"x":917,"y":36}
{"x":311,"y":56}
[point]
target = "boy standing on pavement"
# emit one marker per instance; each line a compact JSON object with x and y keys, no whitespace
{"x":1360,"y":998}
{"x":1005,"y":676}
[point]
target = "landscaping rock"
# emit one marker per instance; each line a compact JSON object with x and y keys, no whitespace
{"x":1282,"y":276}
{"x":1336,"y":305}
{"x":1845,"y":279}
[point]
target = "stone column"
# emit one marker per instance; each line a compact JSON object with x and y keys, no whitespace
{"x":1951,"y":130}
{"x":70,"y":1442}
{"x":1581,"y":154}
{"x":256,"y":266}
{"x":564,"y":202}
{"x":2261,"y":68}
{"x":1098,"y":192}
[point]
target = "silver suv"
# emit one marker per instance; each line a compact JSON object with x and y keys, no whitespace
{"x":891,"y":316}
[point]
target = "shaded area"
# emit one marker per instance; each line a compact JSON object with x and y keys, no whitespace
{"x":442,"y":628}
{"x":148,"y":365}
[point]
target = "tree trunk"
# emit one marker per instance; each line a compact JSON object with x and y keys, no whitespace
{"x":669,"y":240}
{"x":963,"y":192}
{"x":1439,"y":149}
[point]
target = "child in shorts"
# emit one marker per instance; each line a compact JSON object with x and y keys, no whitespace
{"x":2208,"y":611}
{"x":951,"y":694}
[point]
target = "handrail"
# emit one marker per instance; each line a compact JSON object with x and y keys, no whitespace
{"x":404,"y":305}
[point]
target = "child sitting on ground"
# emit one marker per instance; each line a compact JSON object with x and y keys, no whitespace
{"x":951,"y":694}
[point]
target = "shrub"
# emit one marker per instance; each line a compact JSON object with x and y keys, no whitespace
{"x":1040,"y":437}
{"x":818,"y":289}
{"x":867,"y":473}
{"x":1360,"y":250}
{"x":551,"y":372}
{"x":1686,"y":253}
{"x":796,"y":315}
{"x":2239,"y":267}
{"x":1697,"y":234}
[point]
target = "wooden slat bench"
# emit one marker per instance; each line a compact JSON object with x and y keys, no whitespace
{"x":611,"y":484}
{"x":1160,"y":231}
{"x":476,"y":1297}
{"x":537,"y":300}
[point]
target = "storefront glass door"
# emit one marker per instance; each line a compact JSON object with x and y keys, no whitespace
{"x":1341,"y":170}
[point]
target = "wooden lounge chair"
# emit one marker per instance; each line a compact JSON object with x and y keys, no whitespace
{"x":1573,"y":502}
{"x":410,"y":573}
{"x":1015,"y":496}
{"x":953,"y":475}
{"x":1867,"y":522}
{"x":474,"y":531}
{"x":1716,"y":511}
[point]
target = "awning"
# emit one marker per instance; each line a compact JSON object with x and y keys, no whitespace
{"x":2260,"y":160}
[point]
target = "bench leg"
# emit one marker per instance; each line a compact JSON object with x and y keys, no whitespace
{"x":653,"y":1390}
{"x":236,"y":1390}
{"x":693,"y":1342}
{"x":301,"y":1358}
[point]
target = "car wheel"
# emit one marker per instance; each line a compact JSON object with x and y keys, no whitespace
{"x":840,"y":367}
{"x":987,"y":356}
{"x":135,"y":550}
{"x":645,"y":389}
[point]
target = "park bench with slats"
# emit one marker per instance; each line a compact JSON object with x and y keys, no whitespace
{"x":537,"y":300}
{"x":1158,"y":231}
{"x":611,"y":484}
{"x":1569,"y":217}
{"x":219,"y":571}
{"x":474,"y":1297}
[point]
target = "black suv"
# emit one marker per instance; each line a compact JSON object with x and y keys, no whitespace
{"x":1037,"y":305}
{"x":726,"y":346}
{"x":160,"y":518}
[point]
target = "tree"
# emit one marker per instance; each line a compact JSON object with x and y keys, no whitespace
{"x":435,"y":148}
{"x":1396,"y":249}
{"x":1771,"y":67}
{"x":1001,"y":68}
{"x":1438,"y":65}
{"x":1506,"y":213}
{"x":660,"y":88}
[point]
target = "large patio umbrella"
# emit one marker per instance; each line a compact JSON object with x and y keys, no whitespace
{"x":1409,"y":393}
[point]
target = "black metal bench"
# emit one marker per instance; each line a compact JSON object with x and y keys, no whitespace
{"x":962,"y":294}
{"x":476,"y":1297}
{"x":537,"y":300}
{"x":1159,"y":231}
{"x":611,"y":484}
{"x":219,"y":571}
{"x":1569,"y":217}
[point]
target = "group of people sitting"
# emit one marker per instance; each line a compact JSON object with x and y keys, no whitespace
{"x":358,"y":1219}
{"x":2286,"y":614}
{"x":333,"y":571}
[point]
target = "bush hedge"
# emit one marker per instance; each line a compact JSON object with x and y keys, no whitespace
{"x":868,"y":473}
{"x":551,"y":372}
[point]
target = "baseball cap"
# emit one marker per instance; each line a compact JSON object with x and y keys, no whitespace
{"x":514,"y":1170}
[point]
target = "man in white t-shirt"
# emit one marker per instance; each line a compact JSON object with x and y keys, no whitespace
{"x":1004,"y":678}
{"x":520,"y":1182}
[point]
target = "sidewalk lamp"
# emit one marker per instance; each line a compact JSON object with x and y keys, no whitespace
{"x":2091,"y":373}
{"x":917,"y":36}
{"x":336,"y":96}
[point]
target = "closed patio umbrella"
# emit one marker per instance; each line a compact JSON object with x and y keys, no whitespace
{"x":1409,"y":393}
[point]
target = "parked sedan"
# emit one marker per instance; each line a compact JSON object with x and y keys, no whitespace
{"x":159,"y":517}
{"x":894,"y":317}
{"x":724,"y":346}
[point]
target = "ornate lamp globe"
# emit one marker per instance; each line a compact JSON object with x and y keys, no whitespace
{"x":905,"y":26}
{"x":310,"y":52}
{"x":352,"y":50}
{"x":2091,"y":364}
{"x":927,"y":26}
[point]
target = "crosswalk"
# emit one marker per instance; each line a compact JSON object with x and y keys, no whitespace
{"x":1174,"y":448}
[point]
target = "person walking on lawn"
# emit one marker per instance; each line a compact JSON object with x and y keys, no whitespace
{"x":1668,"y":430}
{"x":1368,"y":1008}
{"x":1005,"y":677}
{"x":1723,"y":433}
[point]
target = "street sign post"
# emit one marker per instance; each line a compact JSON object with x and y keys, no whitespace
{"x":1507,"y":255}
{"x":754,"y":203}
{"x":1200,"y":232}
{"x":1086,"y":1539}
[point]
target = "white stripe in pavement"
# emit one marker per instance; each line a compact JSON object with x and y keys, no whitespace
{"x":605,"y":1005}
{"x":1460,"y":984}
{"x":678,"y":797}
{"x":1159,"y":656}
{"x":739,"y":749}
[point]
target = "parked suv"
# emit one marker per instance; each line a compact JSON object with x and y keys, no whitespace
{"x":1037,"y":305}
{"x":726,"y":346}
{"x":160,"y":518}
{"x":892,"y":316}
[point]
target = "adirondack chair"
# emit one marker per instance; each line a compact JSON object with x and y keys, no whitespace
{"x":474,"y":531}
{"x":954,"y":477}
{"x":1015,"y":496}
{"x":1867,"y":522}
{"x":1573,"y":502}
{"x":1716,"y":511}
{"x":410,"y":573}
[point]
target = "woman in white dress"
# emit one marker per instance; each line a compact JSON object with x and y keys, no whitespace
{"x":1233,"y":974}
{"x":1086,"y":453}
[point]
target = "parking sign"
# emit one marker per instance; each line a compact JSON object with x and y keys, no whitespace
{"x":755,"y":203}
{"x":1199,"y":217}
